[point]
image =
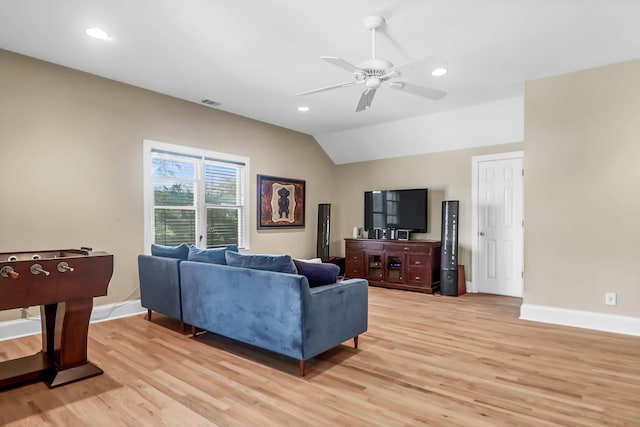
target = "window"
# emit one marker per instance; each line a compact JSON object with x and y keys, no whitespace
{"x":194,"y":196}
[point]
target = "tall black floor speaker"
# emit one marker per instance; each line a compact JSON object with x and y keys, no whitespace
{"x":324,"y":231}
{"x":449,"y":248}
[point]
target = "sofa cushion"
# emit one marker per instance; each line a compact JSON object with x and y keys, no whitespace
{"x":178,"y":252}
{"x":278,"y":263}
{"x":318,"y":274}
{"x":212,"y":256}
{"x":314,"y":260}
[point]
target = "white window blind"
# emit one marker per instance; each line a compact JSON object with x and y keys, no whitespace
{"x":196,"y":197}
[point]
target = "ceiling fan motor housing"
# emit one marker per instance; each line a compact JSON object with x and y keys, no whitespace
{"x":375,"y":66}
{"x":373,"y":21}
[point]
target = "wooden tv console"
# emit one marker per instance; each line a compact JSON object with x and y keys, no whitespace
{"x":412,"y":265}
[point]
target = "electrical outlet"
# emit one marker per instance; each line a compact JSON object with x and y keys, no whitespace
{"x":610,"y":298}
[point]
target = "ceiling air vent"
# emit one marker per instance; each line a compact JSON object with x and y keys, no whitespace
{"x":211,"y":103}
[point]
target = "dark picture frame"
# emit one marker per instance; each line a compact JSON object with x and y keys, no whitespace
{"x":281,"y":202}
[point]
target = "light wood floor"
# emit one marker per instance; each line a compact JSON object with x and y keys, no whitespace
{"x":426,"y":360}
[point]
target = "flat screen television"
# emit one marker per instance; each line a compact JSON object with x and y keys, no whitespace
{"x":399,"y":209}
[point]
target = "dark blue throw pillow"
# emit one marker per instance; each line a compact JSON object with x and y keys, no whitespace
{"x":278,"y":263}
{"x":211,"y":256}
{"x":318,"y":274}
{"x":178,"y":252}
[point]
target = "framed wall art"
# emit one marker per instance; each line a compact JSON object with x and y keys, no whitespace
{"x":281,"y":202}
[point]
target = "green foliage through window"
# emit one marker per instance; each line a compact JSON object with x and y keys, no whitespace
{"x":222,"y":227}
{"x":175,"y":226}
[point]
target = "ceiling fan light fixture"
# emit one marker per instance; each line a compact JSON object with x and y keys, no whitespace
{"x":439,"y":72}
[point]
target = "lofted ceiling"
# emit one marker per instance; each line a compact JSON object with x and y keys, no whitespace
{"x":254,"y":56}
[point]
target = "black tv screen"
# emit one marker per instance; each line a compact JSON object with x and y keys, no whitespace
{"x":399,"y":209}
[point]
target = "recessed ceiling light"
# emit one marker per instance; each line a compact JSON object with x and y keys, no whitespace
{"x":97,"y":33}
{"x":439,"y":72}
{"x":303,"y":108}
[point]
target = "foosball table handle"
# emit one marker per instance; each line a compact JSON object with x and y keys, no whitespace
{"x":9,"y":272}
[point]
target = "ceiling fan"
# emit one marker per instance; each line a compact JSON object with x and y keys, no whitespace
{"x":374,"y":72}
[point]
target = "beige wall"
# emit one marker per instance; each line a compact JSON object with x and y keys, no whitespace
{"x":582,"y":198}
{"x":447,"y":175}
{"x":71,"y":163}
{"x":71,"y":173}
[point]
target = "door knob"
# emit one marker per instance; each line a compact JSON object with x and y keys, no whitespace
{"x":481,"y":233}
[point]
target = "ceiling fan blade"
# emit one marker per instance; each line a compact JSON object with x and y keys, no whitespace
{"x":322,"y":89}
{"x":425,"y":92}
{"x":391,"y":9}
{"x":339,"y":62}
{"x":427,"y":64}
{"x":389,"y":75}
{"x":396,"y":46}
{"x":365,"y":99}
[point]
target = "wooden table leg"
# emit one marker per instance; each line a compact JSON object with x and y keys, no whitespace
{"x":64,"y":338}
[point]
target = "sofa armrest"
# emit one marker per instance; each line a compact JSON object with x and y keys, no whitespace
{"x":160,"y":284}
{"x":333,"y":314}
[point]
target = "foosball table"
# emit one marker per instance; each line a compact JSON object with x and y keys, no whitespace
{"x":63,"y":283}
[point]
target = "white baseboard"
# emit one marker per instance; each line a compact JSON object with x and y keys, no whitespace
{"x":581,"y":319}
{"x":30,"y":326}
{"x":469,"y":286}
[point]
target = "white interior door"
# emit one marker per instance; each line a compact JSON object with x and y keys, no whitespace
{"x":498,"y":266}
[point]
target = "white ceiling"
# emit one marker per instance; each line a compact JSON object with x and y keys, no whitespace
{"x":253,"y":56}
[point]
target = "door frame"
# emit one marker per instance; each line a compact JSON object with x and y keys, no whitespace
{"x":475,"y":209}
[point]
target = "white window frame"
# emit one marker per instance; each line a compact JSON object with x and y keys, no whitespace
{"x":148,"y":193}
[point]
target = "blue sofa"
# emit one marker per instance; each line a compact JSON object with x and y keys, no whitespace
{"x":263,"y":306}
{"x":160,"y":285}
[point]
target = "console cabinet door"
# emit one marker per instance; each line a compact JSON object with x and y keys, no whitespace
{"x":374,"y":265}
{"x":395,"y":267}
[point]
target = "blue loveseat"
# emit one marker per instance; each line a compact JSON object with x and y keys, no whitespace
{"x":260,"y":304}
